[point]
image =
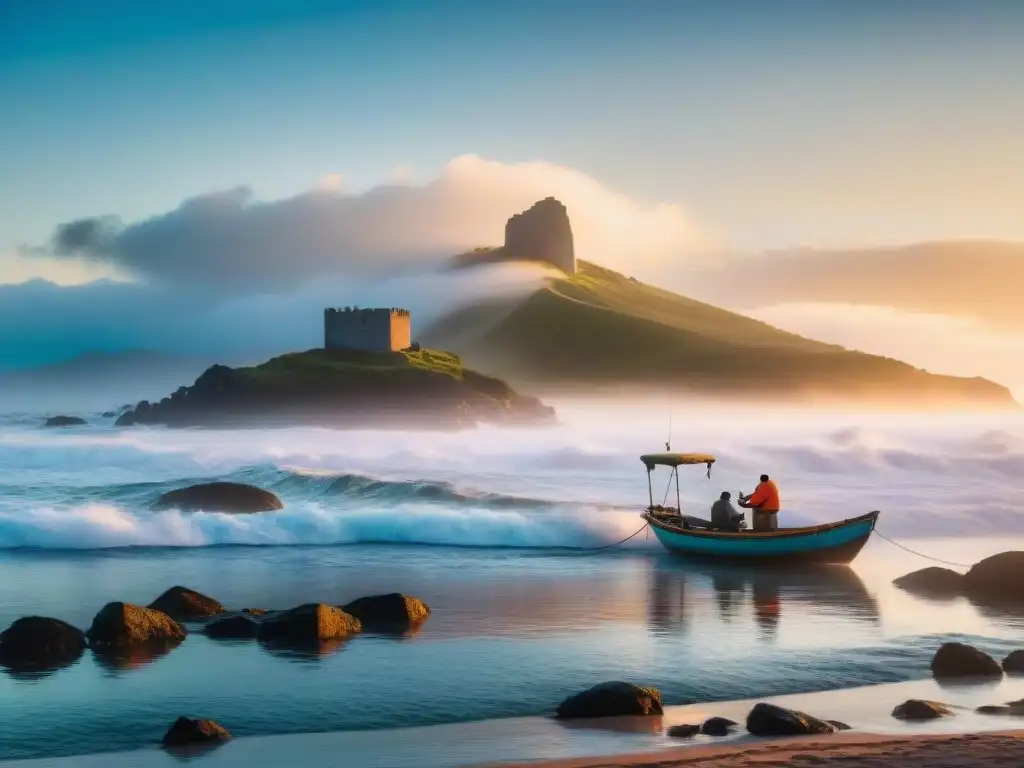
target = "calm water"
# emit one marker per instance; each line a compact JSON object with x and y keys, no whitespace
{"x":513,"y":632}
{"x":519,"y":620}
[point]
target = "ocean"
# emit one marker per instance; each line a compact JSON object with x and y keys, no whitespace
{"x":496,"y":530}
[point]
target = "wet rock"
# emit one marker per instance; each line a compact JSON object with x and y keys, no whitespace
{"x":186,"y":731}
{"x":770,"y":720}
{"x":108,"y":414}
{"x":255,"y":611}
{"x":997,"y":580}
{"x":718,"y":726}
{"x":960,"y":660}
{"x":391,"y":611}
{"x":612,"y":699}
{"x":1013,"y":709}
{"x":1013,"y":664}
{"x":921,"y":709}
{"x":39,"y":643}
{"x":932,"y":582}
{"x":64,"y":421}
{"x":683,"y":731}
{"x":232,"y":628}
{"x":220,"y":497}
{"x":308,"y":624}
{"x":124,"y":624}
{"x":184,"y":604}
{"x":840,"y":725}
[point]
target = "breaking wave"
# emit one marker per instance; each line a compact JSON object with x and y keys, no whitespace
{"x":576,"y":485}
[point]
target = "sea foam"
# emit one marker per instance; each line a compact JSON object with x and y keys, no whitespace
{"x":579,"y":484}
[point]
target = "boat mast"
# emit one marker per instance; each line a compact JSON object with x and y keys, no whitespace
{"x":679,"y":506}
{"x":650,"y":489}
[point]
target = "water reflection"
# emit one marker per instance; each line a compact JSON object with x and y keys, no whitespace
{"x":304,"y":652}
{"x":26,"y":672}
{"x":132,"y":657}
{"x":837,"y":590}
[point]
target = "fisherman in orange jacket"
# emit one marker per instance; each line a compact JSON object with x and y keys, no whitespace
{"x":764,"y":502}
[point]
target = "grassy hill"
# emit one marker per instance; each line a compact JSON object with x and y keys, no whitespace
{"x":344,"y":388}
{"x":599,"y":328}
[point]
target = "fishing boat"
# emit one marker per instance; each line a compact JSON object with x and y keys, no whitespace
{"x":831,"y":543}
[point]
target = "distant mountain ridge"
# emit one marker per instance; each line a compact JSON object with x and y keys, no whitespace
{"x":598,"y":329}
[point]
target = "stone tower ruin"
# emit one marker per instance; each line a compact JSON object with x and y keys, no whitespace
{"x":369,"y":330}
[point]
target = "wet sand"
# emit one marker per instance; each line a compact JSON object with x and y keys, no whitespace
{"x":848,"y":750}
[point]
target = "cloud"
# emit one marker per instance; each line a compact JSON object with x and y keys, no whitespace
{"x":86,"y":237}
{"x":969,"y":279}
{"x":41,"y":322}
{"x":939,"y":343}
{"x":231,"y":242}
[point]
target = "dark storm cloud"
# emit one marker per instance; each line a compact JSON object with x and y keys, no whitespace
{"x":86,"y":237}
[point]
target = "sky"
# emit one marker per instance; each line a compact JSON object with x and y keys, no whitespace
{"x":680,"y":127}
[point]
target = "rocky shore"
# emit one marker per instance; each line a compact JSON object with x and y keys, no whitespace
{"x":992,"y":750}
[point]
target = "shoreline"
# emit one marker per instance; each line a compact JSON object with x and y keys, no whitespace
{"x":851,"y":750}
{"x":631,"y":742}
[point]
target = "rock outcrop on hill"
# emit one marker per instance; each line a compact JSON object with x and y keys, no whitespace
{"x":541,"y":233}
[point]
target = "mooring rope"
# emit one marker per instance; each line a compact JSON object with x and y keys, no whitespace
{"x":615,"y":544}
{"x":920,"y":554}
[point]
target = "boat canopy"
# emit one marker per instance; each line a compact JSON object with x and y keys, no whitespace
{"x":652,"y":460}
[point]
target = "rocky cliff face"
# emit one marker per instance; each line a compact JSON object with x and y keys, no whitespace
{"x":541,"y":233}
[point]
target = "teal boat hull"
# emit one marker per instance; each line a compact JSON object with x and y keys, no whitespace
{"x":834,"y":543}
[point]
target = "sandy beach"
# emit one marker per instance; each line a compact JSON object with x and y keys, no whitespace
{"x":850,"y":751}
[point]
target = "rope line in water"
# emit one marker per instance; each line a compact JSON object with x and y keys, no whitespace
{"x":920,"y":554}
{"x":623,"y":541}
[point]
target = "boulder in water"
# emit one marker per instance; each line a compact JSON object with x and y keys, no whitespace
{"x":612,"y":699}
{"x":220,"y":497}
{"x":1013,"y":664}
{"x":308,"y":624}
{"x":391,"y":611}
{"x":770,"y":720}
{"x":65,"y":421}
{"x":1013,"y":709}
{"x":124,"y":624}
{"x":718,"y":726}
{"x":183,"y":604}
{"x":921,"y":709}
{"x":998,"y":579}
{"x":232,"y":628}
{"x":933,"y":582}
{"x":186,"y":731}
{"x":37,"y":642}
{"x":683,"y":731}
{"x":960,"y":660}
